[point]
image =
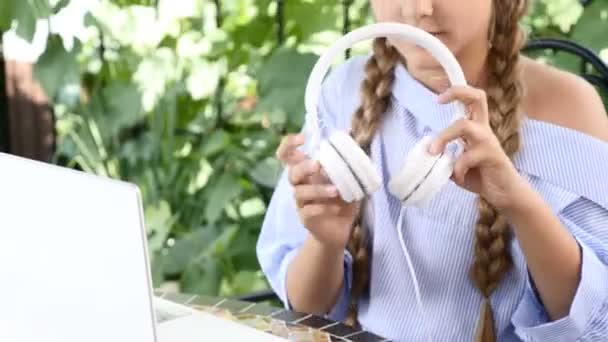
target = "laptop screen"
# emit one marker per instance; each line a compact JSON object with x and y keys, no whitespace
{"x":73,"y":257}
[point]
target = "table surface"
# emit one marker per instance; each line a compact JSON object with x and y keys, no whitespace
{"x":291,"y":325}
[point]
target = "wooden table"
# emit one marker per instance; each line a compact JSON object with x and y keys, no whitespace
{"x":291,"y":325}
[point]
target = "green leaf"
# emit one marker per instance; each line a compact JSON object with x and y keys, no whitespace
{"x":282,"y":81}
{"x":123,"y":107}
{"x":61,"y":4}
{"x":267,"y":172}
{"x":564,"y":13}
{"x":220,"y":246}
{"x":310,"y":17}
{"x":226,"y":189}
{"x":204,"y":78}
{"x":243,"y":250}
{"x":202,"y":278}
{"x":26,"y":18}
{"x":200,"y":178}
{"x":187,"y":248}
{"x":256,"y":33}
{"x":245,"y":282}
{"x":153,"y":75}
{"x":202,"y":273}
{"x":138,"y":149}
{"x":136,"y":26}
{"x":170,"y":10}
{"x":587,"y":32}
{"x":158,"y":220}
{"x":241,"y":12}
{"x":56,"y":67}
{"x":157,"y":269}
{"x":216,"y":142}
{"x":192,"y":45}
{"x":6,"y":14}
{"x":252,"y":207}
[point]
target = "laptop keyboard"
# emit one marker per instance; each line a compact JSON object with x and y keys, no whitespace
{"x":166,"y":310}
{"x":163,"y":316}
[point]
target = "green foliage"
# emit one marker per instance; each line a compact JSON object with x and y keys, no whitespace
{"x":170,"y":104}
{"x":56,"y":66}
{"x":24,"y":14}
{"x":592,"y":27}
{"x":567,"y":19}
{"x":280,"y":84}
{"x":190,"y":103}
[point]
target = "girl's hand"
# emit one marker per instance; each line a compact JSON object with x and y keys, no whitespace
{"x":483,"y":168}
{"x":328,"y":218}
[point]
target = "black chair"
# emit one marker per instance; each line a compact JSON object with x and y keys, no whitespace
{"x":257,"y":297}
{"x":590,"y":61}
{"x":592,"y":67}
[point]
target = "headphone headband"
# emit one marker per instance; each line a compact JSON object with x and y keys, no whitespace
{"x":402,"y":31}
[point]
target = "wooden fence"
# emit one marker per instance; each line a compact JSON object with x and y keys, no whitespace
{"x":26,"y":122}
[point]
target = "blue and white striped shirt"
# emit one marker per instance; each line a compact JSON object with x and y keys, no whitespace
{"x":566,"y":167}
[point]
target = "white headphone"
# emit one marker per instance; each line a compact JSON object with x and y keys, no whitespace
{"x":348,"y":167}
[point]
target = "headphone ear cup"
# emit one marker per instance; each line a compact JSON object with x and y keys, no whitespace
{"x":414,"y":169}
{"x":433,"y":183}
{"x":339,"y":174}
{"x":358,"y":162}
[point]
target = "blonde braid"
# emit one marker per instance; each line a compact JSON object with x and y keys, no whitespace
{"x":375,"y":93}
{"x":505,"y":92}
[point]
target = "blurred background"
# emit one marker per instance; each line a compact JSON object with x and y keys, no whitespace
{"x":189,"y":98}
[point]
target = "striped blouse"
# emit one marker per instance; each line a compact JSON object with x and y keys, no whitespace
{"x":567,"y":168}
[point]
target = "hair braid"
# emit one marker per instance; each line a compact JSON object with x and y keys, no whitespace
{"x":376,"y":96}
{"x":505,"y":91}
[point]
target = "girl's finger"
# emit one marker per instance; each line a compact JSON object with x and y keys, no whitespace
{"x":468,"y":160}
{"x":473,"y":98}
{"x":320,"y":177}
{"x":300,"y":172}
{"x":294,"y":157}
{"x":289,"y":144}
{"x":315,"y":210}
{"x":313,"y":192}
{"x":469,"y":130}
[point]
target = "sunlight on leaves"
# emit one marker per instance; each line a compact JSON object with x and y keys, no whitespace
{"x":204,"y":78}
{"x":153,"y":74}
{"x":171,"y":10}
{"x":158,"y":220}
{"x":564,"y":13}
{"x":252,"y":207}
{"x":201,"y":177}
{"x":192,"y":45}
{"x":134,"y":26}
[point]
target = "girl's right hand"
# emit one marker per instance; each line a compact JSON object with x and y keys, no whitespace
{"x":320,"y":207}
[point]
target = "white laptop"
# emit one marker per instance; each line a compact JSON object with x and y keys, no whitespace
{"x":74,"y":264}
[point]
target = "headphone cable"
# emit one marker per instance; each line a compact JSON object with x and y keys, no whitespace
{"x":412,"y":273}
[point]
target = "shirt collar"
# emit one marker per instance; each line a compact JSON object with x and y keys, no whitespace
{"x":420,"y":101}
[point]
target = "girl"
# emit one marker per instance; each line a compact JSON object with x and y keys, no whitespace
{"x":514,"y":249}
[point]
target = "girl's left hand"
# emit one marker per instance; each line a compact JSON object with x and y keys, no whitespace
{"x":483,"y":167}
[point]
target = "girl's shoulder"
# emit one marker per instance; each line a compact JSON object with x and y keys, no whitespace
{"x":562,"y":98}
{"x":565,"y":134}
